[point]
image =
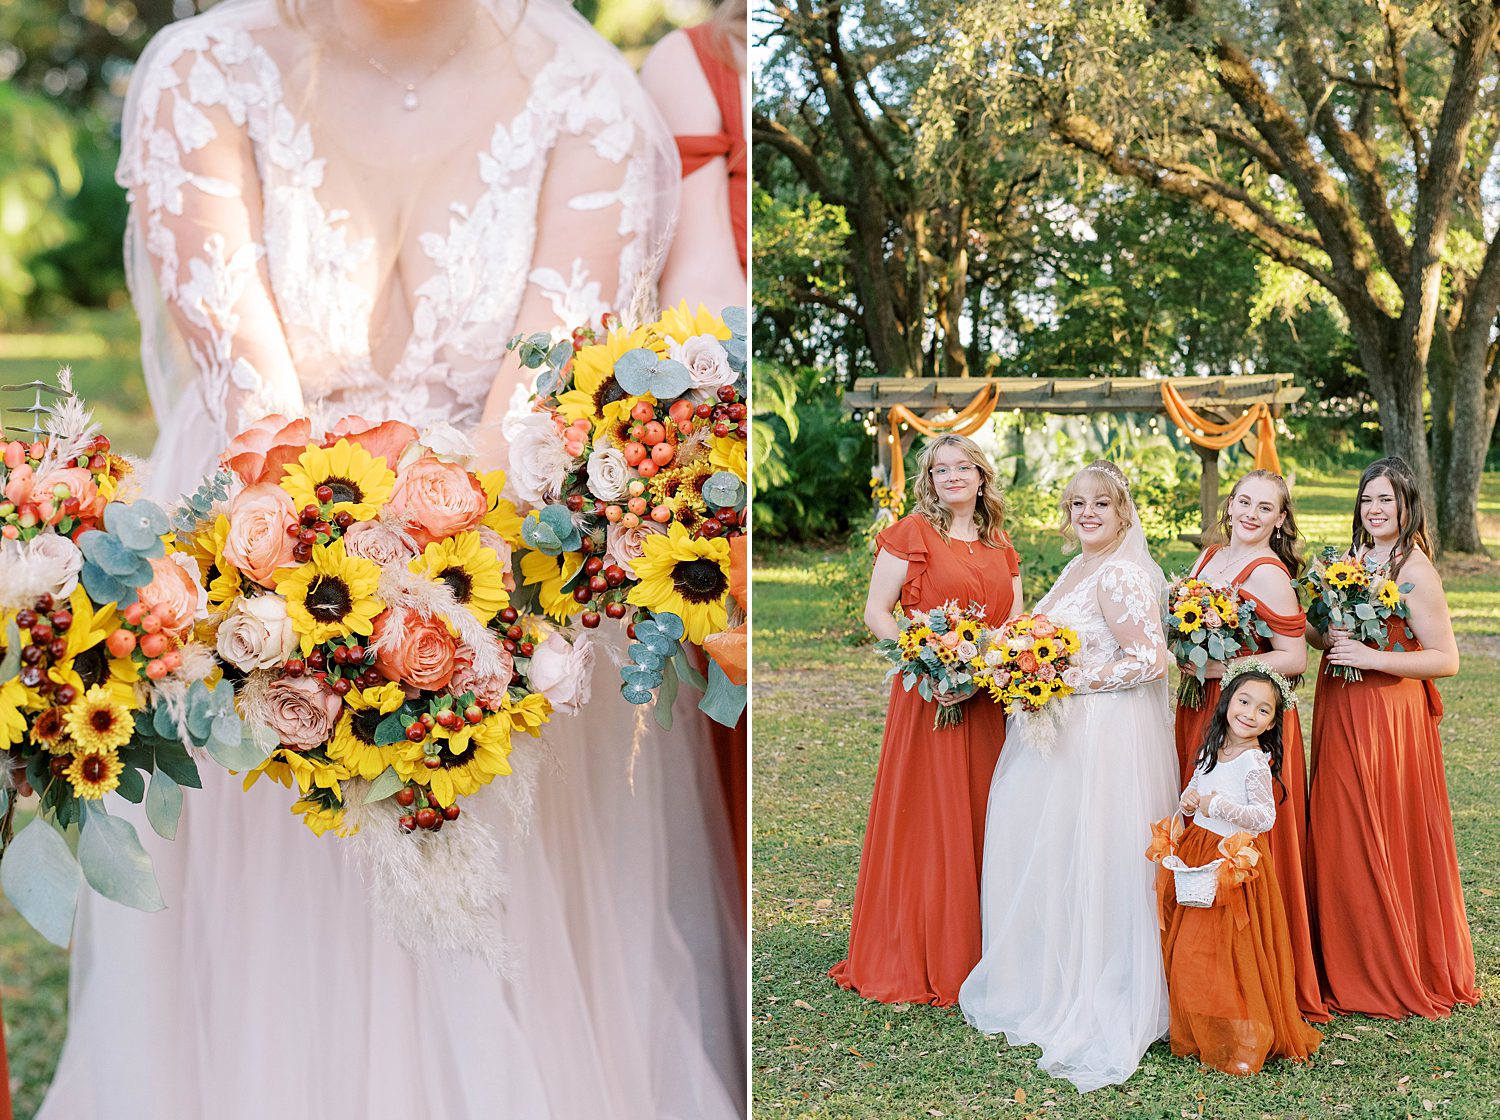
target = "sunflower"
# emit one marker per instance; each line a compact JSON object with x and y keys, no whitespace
{"x":596,"y":395}
{"x":680,"y":489}
{"x":219,"y":576}
{"x":503,"y":516}
{"x":331,"y":596}
{"x":728,"y":454}
{"x":1342,"y":575}
{"x":910,"y":640}
{"x":360,"y":483}
{"x":322,"y":819}
{"x":527,"y":714}
{"x":50,"y":731}
{"x":98,"y":721}
{"x":1045,"y":649}
{"x":471,"y":571}
{"x":1189,"y":617}
{"x":92,"y":774}
{"x":685,"y":577}
{"x":286,"y":766}
{"x":1390,"y":594}
{"x":12,"y":719}
{"x":1225,"y":608}
{"x":353,"y":744}
{"x":472,"y":756}
{"x":553,"y":573}
{"x":967,"y":630}
{"x":679,"y":325}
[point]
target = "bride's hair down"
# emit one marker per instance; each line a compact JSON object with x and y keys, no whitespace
{"x":989,"y":508}
{"x":1099,"y":477}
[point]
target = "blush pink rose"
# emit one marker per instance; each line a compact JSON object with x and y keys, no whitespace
{"x":422,"y":655}
{"x":502,"y":550}
{"x":1046,"y":672}
{"x":172,"y":596}
{"x":302,"y":711}
{"x":385,"y":440}
{"x":374,"y":540}
{"x":488,"y":691}
{"x":1043,"y":628}
{"x":258,"y":543}
{"x":438,"y":499}
{"x":261,"y":452}
{"x":624,"y":546}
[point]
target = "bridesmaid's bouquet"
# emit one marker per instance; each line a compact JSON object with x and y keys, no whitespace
{"x":1207,"y":622}
{"x":632,"y":456}
{"x":1355,"y":596}
{"x":1026,"y":662}
{"x":104,"y":685}
{"x":359,"y":601}
{"x":939,"y":653}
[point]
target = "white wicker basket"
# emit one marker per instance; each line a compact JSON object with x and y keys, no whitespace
{"x":1195,"y":885}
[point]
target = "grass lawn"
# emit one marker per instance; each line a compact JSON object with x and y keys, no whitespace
{"x":820,"y":1052}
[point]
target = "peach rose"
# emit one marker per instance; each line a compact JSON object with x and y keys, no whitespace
{"x":422,"y":654}
{"x":262,"y":451}
{"x":173,"y":596}
{"x":488,"y":691}
{"x":1027,"y":662}
{"x":1043,"y":628}
{"x":80,"y":484}
{"x":302,"y":711}
{"x":385,"y":440}
{"x":258,"y":543}
{"x":438,"y":499}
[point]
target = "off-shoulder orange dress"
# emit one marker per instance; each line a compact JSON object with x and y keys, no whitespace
{"x":1288,"y":840}
{"x":1382,"y":866}
{"x":915,"y":931}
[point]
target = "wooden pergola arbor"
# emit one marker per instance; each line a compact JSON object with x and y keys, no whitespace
{"x":1225,"y":410}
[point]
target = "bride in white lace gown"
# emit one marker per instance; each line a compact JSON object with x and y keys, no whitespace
{"x":348,"y":207}
{"x":1071,"y":952}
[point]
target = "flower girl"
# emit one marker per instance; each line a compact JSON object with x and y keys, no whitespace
{"x":1225,"y":943}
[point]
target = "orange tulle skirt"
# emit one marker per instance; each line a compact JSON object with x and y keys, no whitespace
{"x":1229,"y":968}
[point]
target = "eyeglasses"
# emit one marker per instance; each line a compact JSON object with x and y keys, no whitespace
{"x":964,"y":470}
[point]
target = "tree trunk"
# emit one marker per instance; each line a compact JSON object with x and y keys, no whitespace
{"x":1476,"y":401}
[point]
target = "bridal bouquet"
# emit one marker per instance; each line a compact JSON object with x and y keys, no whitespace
{"x":358,"y":601}
{"x":1026,"y":661}
{"x":103,"y":682}
{"x":1207,"y":622}
{"x":1357,"y":597}
{"x":939,"y":653}
{"x":632,"y":455}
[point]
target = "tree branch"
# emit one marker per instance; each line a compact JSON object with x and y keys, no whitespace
{"x":764,"y":130}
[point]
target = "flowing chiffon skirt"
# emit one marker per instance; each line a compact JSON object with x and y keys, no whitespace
{"x":1230,"y":967}
{"x":1072,"y":953}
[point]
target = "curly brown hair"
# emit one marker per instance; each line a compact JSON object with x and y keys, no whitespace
{"x":989,"y":509}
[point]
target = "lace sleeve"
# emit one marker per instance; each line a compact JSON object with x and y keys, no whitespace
{"x":1131,"y":609}
{"x":189,"y":166}
{"x":1258,"y":814}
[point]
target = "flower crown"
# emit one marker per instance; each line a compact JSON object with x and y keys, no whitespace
{"x":1115,"y":475}
{"x":1237,"y":668}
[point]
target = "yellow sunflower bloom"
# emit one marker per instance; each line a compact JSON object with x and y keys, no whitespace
{"x":353,"y":744}
{"x":728,"y":453}
{"x":470,"y":570}
{"x":322,"y":820}
{"x":99,"y":722}
{"x":331,"y":596}
{"x":503,"y":516}
{"x":685,"y":577}
{"x":526,"y":715}
{"x":553,"y":572}
{"x":286,"y":767}
{"x":92,"y":774}
{"x":1390,"y":594}
{"x":678,"y":324}
{"x":1189,"y":618}
{"x":220,"y":578}
{"x":360,"y":482}
{"x":12,"y":719}
{"x":596,"y":395}
{"x":1044,"y":650}
{"x":471,"y":758}
{"x":1343,"y":574}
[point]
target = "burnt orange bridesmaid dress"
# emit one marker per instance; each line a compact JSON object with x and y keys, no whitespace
{"x":1288,"y":839}
{"x":915,"y":932}
{"x":1382,"y":866}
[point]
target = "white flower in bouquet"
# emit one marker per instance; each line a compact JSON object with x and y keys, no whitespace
{"x":608,"y":473}
{"x":444,"y":440}
{"x":706,"y":360}
{"x":45,"y":565}
{"x":538,"y":460}
{"x":966,"y":651}
{"x":624,"y":546}
{"x":563,"y":672}
{"x":256,"y":634}
{"x":1021,"y":642}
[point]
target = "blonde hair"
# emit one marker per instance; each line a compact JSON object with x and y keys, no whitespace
{"x":1286,"y":540}
{"x":989,"y":508}
{"x":1099,"y":477}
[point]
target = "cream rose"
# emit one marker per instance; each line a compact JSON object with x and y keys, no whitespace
{"x":374,"y":540}
{"x":302,"y":711}
{"x":608,"y":473}
{"x":706,"y":359}
{"x":563,"y":672}
{"x":489,"y":691}
{"x":56,"y":561}
{"x":258,"y":543}
{"x":257,"y":634}
{"x":438,"y":499}
{"x":173,"y":595}
{"x":624,"y":546}
{"x":538,"y":460}
{"x":420,"y":654}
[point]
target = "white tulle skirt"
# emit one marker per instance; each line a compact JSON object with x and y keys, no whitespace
{"x":267,"y":989}
{"x":1071,"y":952}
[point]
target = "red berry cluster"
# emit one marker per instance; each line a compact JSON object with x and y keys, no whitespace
{"x":314,"y":525}
{"x":340,"y":664}
{"x":45,"y":645}
{"x":603,"y":581}
{"x":428,"y":815}
{"x":512,"y":634}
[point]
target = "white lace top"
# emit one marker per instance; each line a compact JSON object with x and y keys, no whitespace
{"x":294,"y":250}
{"x":1236,"y":796}
{"x":1117,"y":613}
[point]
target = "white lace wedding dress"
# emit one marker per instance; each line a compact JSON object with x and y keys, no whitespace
{"x":291,"y":250}
{"x":1071,"y":951}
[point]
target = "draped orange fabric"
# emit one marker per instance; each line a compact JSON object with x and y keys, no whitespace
{"x":5,"y":1104}
{"x":731,"y":753}
{"x":915,"y":932}
{"x":1288,"y":838}
{"x":1229,"y":967}
{"x":1382,"y":864}
{"x":966,"y":421}
{"x":729,"y":141}
{"x":1216,"y":436}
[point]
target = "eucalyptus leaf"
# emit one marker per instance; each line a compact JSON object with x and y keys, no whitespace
{"x":241,"y":752}
{"x":132,"y":785}
{"x":384,"y":786}
{"x":736,"y":320}
{"x":734,"y":349}
{"x":658,"y":643}
{"x":112,"y":555}
{"x":560,"y":354}
{"x":139,"y":526}
{"x":173,"y":757}
{"x":724,"y":489}
{"x":688,"y":672}
{"x":1364,"y":611}
{"x":41,"y":879}
{"x":103,"y":587}
{"x":633,"y":370}
{"x":115,"y":864}
{"x":162,"y":723}
{"x":10,"y":664}
{"x":1198,"y":656}
{"x":666,"y":696}
{"x":924,"y":688}
{"x":635,"y":694}
{"x":671,"y":626}
{"x":164,"y":805}
{"x":723,"y":700}
{"x":200,"y":712}
{"x":539,"y":535}
{"x":644,"y":656}
{"x":641,"y":675}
